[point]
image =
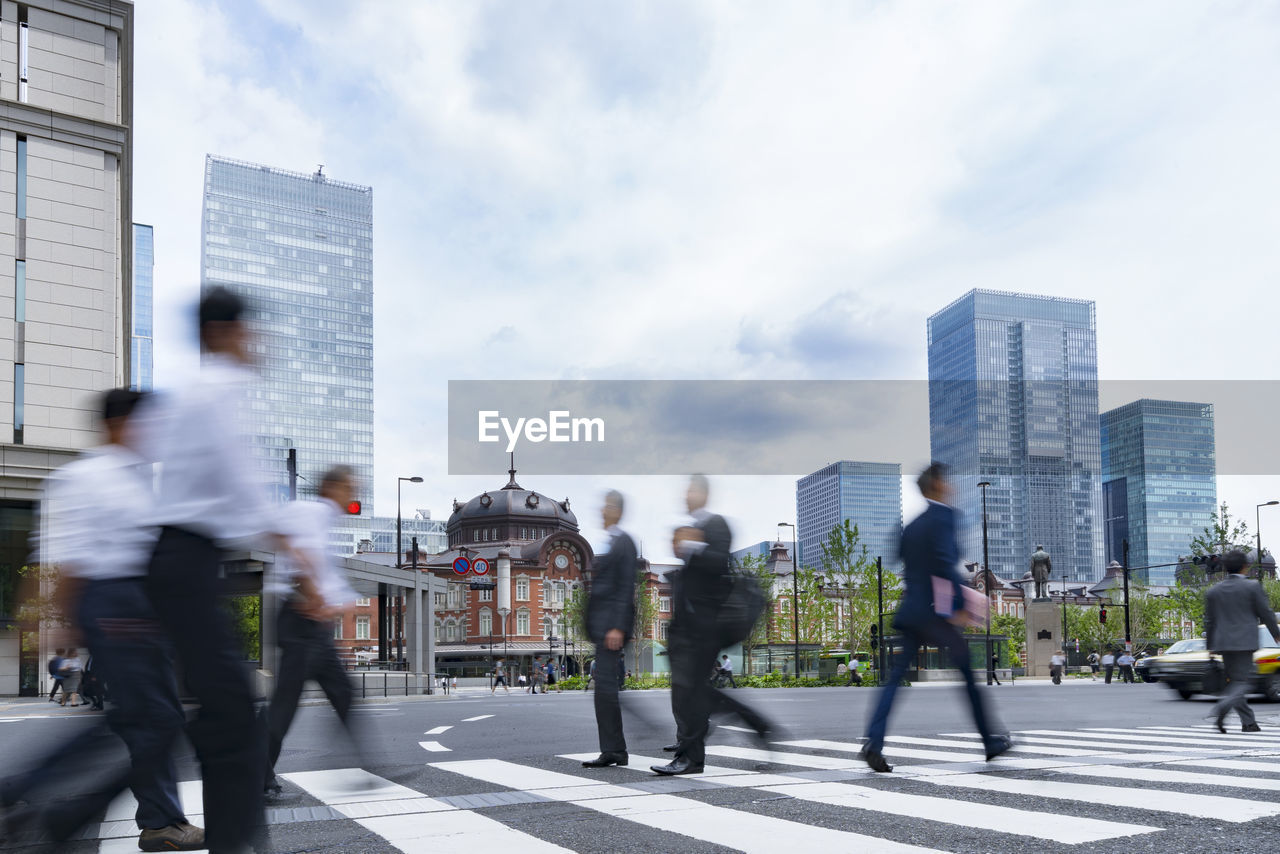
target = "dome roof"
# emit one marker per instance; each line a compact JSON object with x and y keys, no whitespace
{"x":513,"y":502}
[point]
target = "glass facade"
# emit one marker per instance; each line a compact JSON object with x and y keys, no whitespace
{"x":1159,"y":472}
{"x":869,"y":495}
{"x":300,"y":247}
{"x":141,"y":375}
{"x":760,"y":549}
{"x":1013,"y":400}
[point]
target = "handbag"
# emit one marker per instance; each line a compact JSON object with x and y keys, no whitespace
{"x":973,"y":602}
{"x":740,"y":610}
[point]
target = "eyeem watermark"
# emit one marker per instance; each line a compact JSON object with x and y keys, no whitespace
{"x":558,"y":426}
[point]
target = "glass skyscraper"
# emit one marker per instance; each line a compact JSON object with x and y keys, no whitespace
{"x":869,"y":495}
{"x":141,"y":377}
{"x":300,"y":248}
{"x":1013,"y":400}
{"x":1159,"y":481}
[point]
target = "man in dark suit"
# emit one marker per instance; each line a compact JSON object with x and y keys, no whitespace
{"x":611,"y":612}
{"x":929,"y":551}
{"x":694,"y":641}
{"x":1232,"y":610}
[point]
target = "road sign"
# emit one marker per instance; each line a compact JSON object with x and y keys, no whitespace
{"x":480,"y":566}
{"x":483,"y":585}
{"x":461,"y":565}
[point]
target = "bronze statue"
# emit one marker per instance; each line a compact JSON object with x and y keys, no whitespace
{"x":1041,"y":566}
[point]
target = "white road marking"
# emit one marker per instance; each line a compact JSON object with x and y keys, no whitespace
{"x":190,"y":795}
{"x":1166,"y":775}
{"x":433,"y":746}
{"x":735,"y":728}
{"x":1235,"y":810}
{"x":745,"y":831}
{"x":1068,"y":829}
{"x":410,"y":822}
{"x":476,"y":718}
{"x":780,"y":758}
{"x":1017,"y":746}
{"x":1232,"y":765}
{"x":439,"y":730}
{"x":1238,"y":739}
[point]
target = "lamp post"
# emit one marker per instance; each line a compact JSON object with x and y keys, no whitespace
{"x":1064,"y":618}
{"x":1258,"y":518}
{"x":399,"y":524}
{"x":795,"y":595}
{"x":986,"y":588}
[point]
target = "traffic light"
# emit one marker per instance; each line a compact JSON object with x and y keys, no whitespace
{"x":1102,"y":615}
{"x":875,"y":638}
{"x":353,"y":508}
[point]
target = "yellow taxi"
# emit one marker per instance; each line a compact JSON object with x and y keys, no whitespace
{"x":1188,"y":668}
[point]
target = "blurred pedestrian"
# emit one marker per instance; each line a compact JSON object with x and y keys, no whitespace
{"x":1125,"y":663}
{"x":95,"y":532}
{"x":1093,"y":665}
{"x":1232,"y":610}
{"x":992,"y":667}
{"x":591,"y":674}
{"x":55,"y":672}
{"x":929,"y":551}
{"x":499,"y":678}
{"x":694,"y":639}
{"x":72,"y":672}
{"x":311,"y":598}
{"x":1057,"y":665}
{"x":209,"y":502}
{"x":611,"y":613}
{"x":1108,"y":665}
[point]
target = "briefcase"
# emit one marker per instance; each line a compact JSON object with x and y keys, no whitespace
{"x":975,"y":604}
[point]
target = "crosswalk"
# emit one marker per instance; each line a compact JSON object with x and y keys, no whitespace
{"x":1057,"y":787}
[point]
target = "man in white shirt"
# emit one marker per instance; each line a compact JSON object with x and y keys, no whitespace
{"x":1108,"y":666}
{"x":305,"y":637}
{"x":1057,"y":665}
{"x":210,"y":501}
{"x":95,"y":533}
{"x":1126,"y":662}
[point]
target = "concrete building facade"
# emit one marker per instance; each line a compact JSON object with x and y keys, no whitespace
{"x":66,"y":109}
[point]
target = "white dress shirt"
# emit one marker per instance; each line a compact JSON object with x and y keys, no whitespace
{"x":689,"y":548}
{"x":95,"y":516}
{"x":307,"y":525}
{"x":207,"y":481}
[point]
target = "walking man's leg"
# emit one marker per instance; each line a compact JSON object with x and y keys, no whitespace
{"x":607,"y":706}
{"x":291,"y":676}
{"x":884,"y":704}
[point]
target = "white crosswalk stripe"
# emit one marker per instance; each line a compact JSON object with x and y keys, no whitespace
{"x":1163,"y":774}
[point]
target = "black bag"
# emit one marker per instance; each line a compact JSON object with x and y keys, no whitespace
{"x":741,"y":609}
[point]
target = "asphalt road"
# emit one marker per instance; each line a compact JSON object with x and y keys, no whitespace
{"x":477,"y":773}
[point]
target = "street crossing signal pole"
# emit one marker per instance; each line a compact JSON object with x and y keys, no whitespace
{"x":1128,"y":636}
{"x":880,"y":618}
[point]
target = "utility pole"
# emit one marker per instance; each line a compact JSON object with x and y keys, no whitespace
{"x":1128,"y":634}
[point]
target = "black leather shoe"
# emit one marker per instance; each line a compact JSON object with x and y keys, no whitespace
{"x":604,"y":760}
{"x":1249,"y":728}
{"x":679,"y":765}
{"x":672,"y":748}
{"x":1218,"y":722}
{"x":997,"y":745}
{"x":875,"y":759}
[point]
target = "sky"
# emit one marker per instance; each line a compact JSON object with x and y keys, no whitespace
{"x":715,"y":190}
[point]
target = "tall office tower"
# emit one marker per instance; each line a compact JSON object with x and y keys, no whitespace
{"x":300,"y":248}
{"x":1159,"y":482}
{"x":144,"y":255}
{"x":869,"y":495}
{"x":1013,"y":400}
{"x":66,"y":153}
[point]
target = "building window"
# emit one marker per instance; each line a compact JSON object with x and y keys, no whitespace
{"x":522,"y":622}
{"x":24,"y":52}
{"x":362,"y":628}
{"x":19,"y":402}
{"x":337,"y":629}
{"x":524,"y":533}
{"x":439,"y":631}
{"x":451,"y":631}
{"x":664,"y":604}
{"x":522,"y":590}
{"x":363,"y":602}
{"x":486,"y":595}
{"x":664,"y":627}
{"x":455,"y":595}
{"x":486,"y":623}
{"x":21,"y":201}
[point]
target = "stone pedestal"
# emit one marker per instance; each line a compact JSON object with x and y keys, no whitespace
{"x":1044,"y":625}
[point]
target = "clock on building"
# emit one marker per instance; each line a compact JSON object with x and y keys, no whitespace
{"x":562,"y":561}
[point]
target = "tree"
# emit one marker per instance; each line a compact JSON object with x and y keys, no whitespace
{"x":1015,"y":628}
{"x":847,"y":562}
{"x":646,"y":613}
{"x":575,"y":625}
{"x":1186,"y":602}
{"x":757,"y":566}
{"x":1223,"y":533}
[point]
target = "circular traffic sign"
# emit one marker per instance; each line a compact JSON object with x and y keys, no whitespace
{"x":461,"y":565}
{"x":480,"y":566}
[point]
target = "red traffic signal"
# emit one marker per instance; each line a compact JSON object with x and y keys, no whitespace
{"x":353,"y":508}
{"x":1102,"y":615}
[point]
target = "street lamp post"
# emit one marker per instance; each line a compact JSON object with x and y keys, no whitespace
{"x":1258,"y":519}
{"x":795,"y":595}
{"x":383,"y":613}
{"x":399,"y":524}
{"x":986,"y":580}
{"x":1065,"y":573}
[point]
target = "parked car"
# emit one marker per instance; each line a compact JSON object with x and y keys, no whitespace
{"x":1188,"y":668}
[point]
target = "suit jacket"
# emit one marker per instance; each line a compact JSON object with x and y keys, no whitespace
{"x":1232,"y":610}
{"x":704,"y":579}
{"x":927,"y":549}
{"x":612,"y":601}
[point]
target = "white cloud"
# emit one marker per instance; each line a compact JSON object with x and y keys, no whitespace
{"x":559,"y":194}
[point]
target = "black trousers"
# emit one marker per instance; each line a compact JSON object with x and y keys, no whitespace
{"x":186,"y":591}
{"x":693,"y":700}
{"x":1108,"y":669}
{"x":608,"y":707}
{"x":1126,"y":672}
{"x":306,"y":652}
